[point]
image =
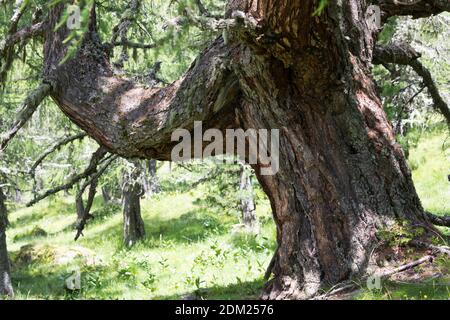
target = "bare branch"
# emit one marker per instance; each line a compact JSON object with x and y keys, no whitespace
{"x":121,"y":30}
{"x":443,"y":221}
{"x":21,"y":35}
{"x":414,"y":8}
{"x":404,"y":54}
{"x":25,"y":112}
{"x":85,"y":216}
{"x":130,"y":44}
{"x":54,"y":148}
{"x":97,"y":156}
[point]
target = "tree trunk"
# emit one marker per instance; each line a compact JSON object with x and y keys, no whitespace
{"x":133,"y":225}
{"x":342,"y":176}
{"x":153,"y":179}
{"x":248,"y":206}
{"x":105,"y":194}
{"x":6,"y":288}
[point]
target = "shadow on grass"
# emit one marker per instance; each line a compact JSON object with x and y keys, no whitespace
{"x":48,"y":282}
{"x":193,"y":226}
{"x":250,"y":290}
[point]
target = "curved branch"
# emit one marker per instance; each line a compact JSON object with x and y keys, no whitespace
{"x":97,"y":156}
{"x":414,"y":8}
{"x":404,"y":54}
{"x":54,"y":148}
{"x":443,"y":221}
{"x":29,"y":106}
{"x":21,"y":35}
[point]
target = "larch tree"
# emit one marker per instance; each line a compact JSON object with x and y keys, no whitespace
{"x":278,"y":65}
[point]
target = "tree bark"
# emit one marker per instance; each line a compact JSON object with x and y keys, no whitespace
{"x":342,"y":176}
{"x":133,"y":225}
{"x":6,"y":288}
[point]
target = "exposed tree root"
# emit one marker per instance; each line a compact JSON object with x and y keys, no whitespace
{"x":443,"y":221}
{"x":434,"y":251}
{"x":383,"y":276}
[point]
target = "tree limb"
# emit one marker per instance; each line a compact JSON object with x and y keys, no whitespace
{"x":443,"y":221}
{"x":384,"y":275}
{"x":25,"y":112}
{"x":54,"y":148}
{"x":97,"y":156}
{"x":414,"y":8}
{"x":21,"y":35}
{"x":404,"y":54}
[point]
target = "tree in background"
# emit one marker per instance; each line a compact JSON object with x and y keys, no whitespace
{"x":133,"y":190}
{"x":248,"y":204}
{"x":5,"y":269}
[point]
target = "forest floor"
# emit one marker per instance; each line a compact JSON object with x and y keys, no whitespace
{"x":189,"y":252}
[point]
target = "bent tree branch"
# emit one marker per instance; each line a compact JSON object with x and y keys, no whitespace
{"x":404,"y":54}
{"x":58,"y":145}
{"x":443,"y":221}
{"x":29,"y":106}
{"x":96,"y":158}
{"x":414,"y":8}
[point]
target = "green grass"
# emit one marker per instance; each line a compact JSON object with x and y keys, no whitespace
{"x":188,"y":250}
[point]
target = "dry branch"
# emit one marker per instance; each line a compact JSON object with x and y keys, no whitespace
{"x":54,"y":148}
{"x":97,"y":156}
{"x":443,"y":221}
{"x":414,"y":8}
{"x":404,"y":54}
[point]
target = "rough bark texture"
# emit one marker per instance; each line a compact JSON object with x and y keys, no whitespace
{"x":133,"y":225}
{"x":6,"y":288}
{"x":342,"y":175}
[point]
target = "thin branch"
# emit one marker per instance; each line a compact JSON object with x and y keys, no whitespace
{"x":54,"y":148}
{"x":97,"y":156}
{"x":404,"y":54}
{"x":85,"y":216}
{"x":436,"y":249}
{"x":121,"y":29}
{"x":130,"y":44}
{"x":414,"y":8}
{"x":384,"y":275}
{"x":29,"y":106}
{"x":21,"y":35}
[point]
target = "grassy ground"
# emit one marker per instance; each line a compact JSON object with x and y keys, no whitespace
{"x":188,"y":250}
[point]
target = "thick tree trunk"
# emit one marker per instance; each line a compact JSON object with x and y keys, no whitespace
{"x":133,"y":225}
{"x":342,"y":175}
{"x":248,"y":206}
{"x":6,"y":288}
{"x":105,"y":194}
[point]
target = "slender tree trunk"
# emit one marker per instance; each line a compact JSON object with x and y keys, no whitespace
{"x":153,"y":179}
{"x":6,"y":288}
{"x":133,"y":225}
{"x":248,"y":205}
{"x":105,"y":194}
